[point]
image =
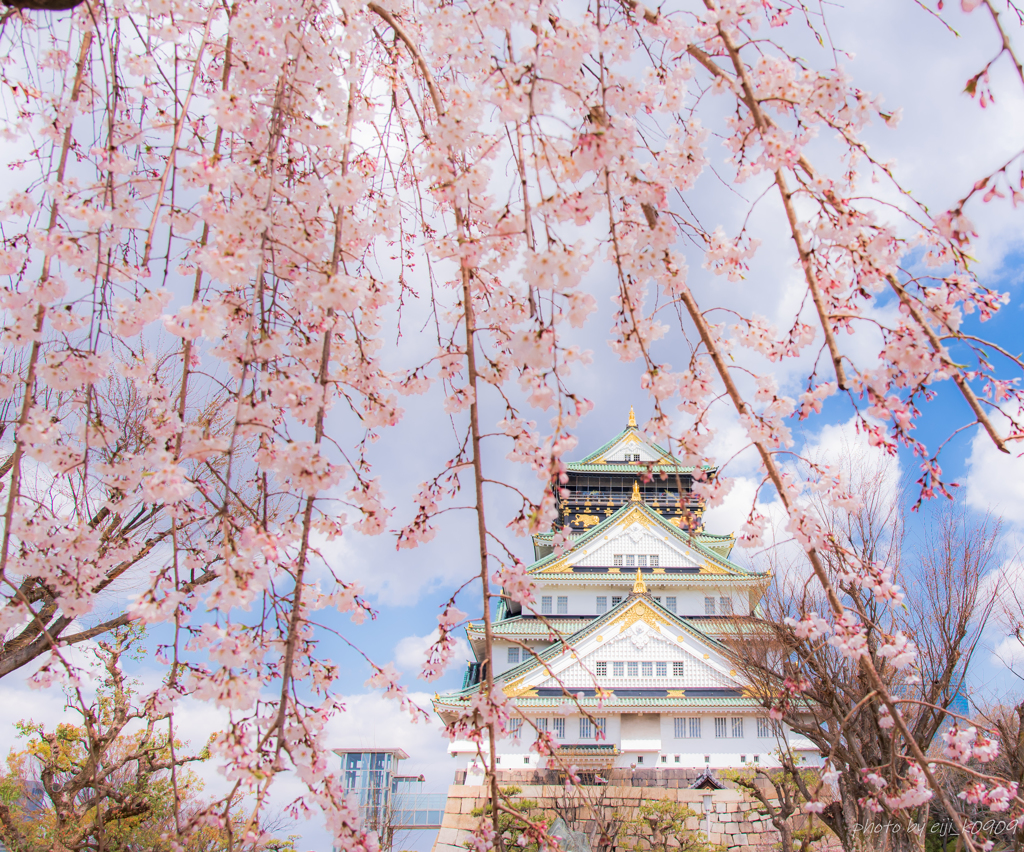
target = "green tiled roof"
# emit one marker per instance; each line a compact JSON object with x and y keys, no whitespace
{"x":517,"y":626}
{"x":691,"y":540}
{"x":706,"y":536}
{"x":556,"y":648}
{"x":625,"y":701}
{"x":521,"y":626}
{"x":613,"y":467}
{"x":685,"y":579}
{"x":724,"y":625}
{"x":600,"y":451}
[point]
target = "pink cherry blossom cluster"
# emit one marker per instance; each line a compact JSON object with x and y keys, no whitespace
{"x":234,"y":214}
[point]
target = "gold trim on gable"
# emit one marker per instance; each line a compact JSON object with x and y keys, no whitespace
{"x":516,"y":689}
{"x":640,"y":612}
{"x":638,"y":516}
{"x":676,"y":693}
{"x":755,"y":693}
{"x":556,"y":566}
{"x":709,"y":567}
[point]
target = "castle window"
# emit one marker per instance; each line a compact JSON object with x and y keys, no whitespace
{"x":767,"y":727}
{"x":600,"y":728}
{"x":677,"y":758}
{"x":641,"y":560}
{"x":558,"y":726}
{"x":657,"y":599}
{"x":545,"y":605}
{"x":526,"y":760}
{"x":639,"y":759}
{"x":743,"y":758}
{"x":709,"y":606}
{"x":633,"y":669}
{"x":616,"y":600}
{"x":721,"y":729}
{"x":630,"y":560}
{"x":680,"y":728}
{"x":725,"y":606}
{"x":601,"y":669}
{"x":542,"y":725}
{"x":662,"y":669}
{"x":586,"y":729}
{"x":648,"y":669}
{"x":636,"y":456}
{"x":695,"y":728}
{"x":737,"y":726}
{"x":563,"y":604}
{"x":757,"y":758}
{"x":664,"y":758}
{"x":670,"y":604}
{"x":513,"y":655}
{"x":618,"y":669}
{"x":653,"y":560}
{"x":678,"y":668}
{"x":617,"y":559}
{"x":515,"y":727}
{"x":602,"y":604}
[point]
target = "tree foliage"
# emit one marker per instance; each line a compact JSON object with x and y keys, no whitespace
{"x":659,"y":825}
{"x":942,"y":607}
{"x":108,"y":784}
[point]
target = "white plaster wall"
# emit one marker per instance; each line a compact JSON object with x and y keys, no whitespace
{"x":687,"y":753}
{"x":689,"y":601}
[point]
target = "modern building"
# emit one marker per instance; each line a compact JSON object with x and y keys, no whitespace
{"x":633,"y":619}
{"x":388,"y":802}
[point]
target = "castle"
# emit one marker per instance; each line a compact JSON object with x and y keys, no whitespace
{"x":634,"y":620}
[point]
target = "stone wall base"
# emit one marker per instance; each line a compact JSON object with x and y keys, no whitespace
{"x":734,"y":822}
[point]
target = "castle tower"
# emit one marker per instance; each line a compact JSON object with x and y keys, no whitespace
{"x":634,"y":617}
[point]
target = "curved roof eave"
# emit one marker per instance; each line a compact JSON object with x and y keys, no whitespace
{"x":611,"y":520}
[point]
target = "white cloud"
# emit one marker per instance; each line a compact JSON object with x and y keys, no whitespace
{"x":372,"y":721}
{"x":995,"y":480}
{"x":411,"y":652}
{"x":1009,"y":652}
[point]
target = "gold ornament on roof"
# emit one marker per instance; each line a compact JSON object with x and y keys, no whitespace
{"x":636,"y":491}
{"x":632,"y":418}
{"x":639,"y":587}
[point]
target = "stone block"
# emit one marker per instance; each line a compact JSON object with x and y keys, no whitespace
{"x":716,"y":839}
{"x":692,"y":824}
{"x":740,"y":840}
{"x":745,"y":806}
{"x":448,"y":835}
{"x":746,"y":826}
{"x":730,"y":829}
